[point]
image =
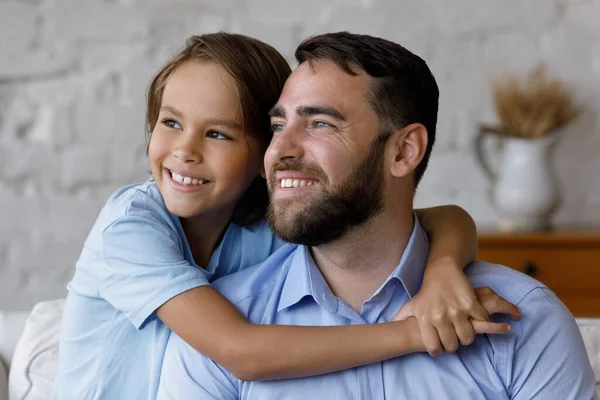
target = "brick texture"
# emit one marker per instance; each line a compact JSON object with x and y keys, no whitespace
{"x":73,"y":75}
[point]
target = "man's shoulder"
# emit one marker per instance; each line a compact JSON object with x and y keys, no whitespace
{"x":545,"y":335}
{"x":259,"y":281}
{"x":512,"y":285}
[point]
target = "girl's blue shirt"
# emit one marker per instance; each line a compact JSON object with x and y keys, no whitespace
{"x":135,"y":258}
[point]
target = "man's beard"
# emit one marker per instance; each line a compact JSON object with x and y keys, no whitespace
{"x":334,"y":212}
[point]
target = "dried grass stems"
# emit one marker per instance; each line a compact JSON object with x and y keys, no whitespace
{"x":533,"y":108}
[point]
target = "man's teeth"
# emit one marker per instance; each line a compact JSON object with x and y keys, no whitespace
{"x":186,"y":180}
{"x":288,"y":183}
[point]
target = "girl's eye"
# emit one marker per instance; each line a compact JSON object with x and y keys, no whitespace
{"x":276,"y":128}
{"x":321,"y":124}
{"x":172,"y":124}
{"x":218,"y":135}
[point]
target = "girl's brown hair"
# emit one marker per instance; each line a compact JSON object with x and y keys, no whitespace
{"x":259,"y":72}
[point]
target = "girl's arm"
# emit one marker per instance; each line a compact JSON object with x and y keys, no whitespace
{"x":452,"y":235}
{"x":446,"y":300}
{"x":213,"y":326}
{"x":209,"y":323}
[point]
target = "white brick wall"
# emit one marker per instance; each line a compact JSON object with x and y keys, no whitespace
{"x":73,"y":75}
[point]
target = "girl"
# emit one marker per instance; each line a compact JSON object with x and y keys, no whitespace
{"x":146,"y":265}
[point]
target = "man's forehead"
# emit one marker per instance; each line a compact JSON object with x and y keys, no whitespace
{"x":327,"y":69}
{"x":323,"y":80}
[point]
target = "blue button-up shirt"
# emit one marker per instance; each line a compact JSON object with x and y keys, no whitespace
{"x":543,"y":357}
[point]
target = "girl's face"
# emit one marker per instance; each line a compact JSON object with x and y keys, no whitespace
{"x":200,"y":158}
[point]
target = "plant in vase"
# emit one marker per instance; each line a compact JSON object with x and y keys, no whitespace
{"x":530,"y":114}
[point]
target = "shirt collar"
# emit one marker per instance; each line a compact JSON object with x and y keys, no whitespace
{"x":304,"y":278}
{"x":412,"y":264}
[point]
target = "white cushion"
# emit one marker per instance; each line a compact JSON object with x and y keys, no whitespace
{"x":11,"y":327}
{"x":35,"y":361}
{"x":590,"y":331}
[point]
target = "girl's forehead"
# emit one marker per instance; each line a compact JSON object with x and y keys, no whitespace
{"x":202,"y":87}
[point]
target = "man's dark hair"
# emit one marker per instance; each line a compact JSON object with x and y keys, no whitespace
{"x":404,"y":90}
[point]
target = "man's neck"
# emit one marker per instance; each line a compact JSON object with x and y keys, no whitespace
{"x":356,"y":265}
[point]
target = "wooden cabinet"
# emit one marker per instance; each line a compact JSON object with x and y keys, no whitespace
{"x":568,"y":262}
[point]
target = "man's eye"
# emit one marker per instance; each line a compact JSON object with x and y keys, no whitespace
{"x":276,"y":128}
{"x":172,"y":124}
{"x":218,"y":135}
{"x":321,"y":124}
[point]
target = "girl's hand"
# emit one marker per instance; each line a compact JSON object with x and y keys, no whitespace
{"x":449,"y":310}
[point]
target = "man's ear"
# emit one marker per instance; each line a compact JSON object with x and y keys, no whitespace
{"x":409,"y":146}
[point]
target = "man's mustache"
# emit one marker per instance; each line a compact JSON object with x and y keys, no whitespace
{"x":312,"y":170}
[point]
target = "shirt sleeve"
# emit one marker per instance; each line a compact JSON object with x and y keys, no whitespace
{"x":549,"y":358}
{"x":144,"y":266}
{"x":188,"y":375}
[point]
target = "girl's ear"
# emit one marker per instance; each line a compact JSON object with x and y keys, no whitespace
{"x":409,"y":146}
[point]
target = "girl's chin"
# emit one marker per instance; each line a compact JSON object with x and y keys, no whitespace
{"x":182,"y":210}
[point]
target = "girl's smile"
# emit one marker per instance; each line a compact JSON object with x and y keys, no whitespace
{"x":185,"y":183}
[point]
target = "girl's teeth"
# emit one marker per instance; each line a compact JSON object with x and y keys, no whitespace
{"x":186,"y":180}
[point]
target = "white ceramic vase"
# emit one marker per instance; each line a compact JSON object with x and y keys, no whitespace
{"x":524,"y":187}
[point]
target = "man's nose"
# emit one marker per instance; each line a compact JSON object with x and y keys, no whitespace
{"x":188,"y":149}
{"x":286,"y":144}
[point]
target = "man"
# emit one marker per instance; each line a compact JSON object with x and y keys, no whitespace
{"x":354,"y":126}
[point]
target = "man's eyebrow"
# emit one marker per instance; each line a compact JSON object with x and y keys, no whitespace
{"x":307,"y":111}
{"x":277,"y":111}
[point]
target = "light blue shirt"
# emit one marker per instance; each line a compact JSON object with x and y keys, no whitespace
{"x":543,"y":357}
{"x":135,"y":259}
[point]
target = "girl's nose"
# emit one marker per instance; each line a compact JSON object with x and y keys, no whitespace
{"x":188,"y":151}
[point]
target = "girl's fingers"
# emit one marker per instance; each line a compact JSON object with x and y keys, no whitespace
{"x":448,"y":336}
{"x":494,"y":304}
{"x":497,"y":305}
{"x":464,"y":331}
{"x":482,"y":327}
{"x":479,"y":312}
{"x":431,"y":340}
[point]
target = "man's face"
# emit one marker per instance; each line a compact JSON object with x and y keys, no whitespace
{"x":324,"y":164}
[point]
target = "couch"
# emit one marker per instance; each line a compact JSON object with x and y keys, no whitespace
{"x":29,"y":350}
